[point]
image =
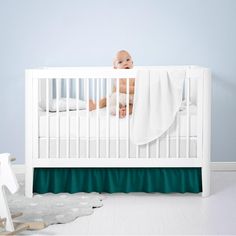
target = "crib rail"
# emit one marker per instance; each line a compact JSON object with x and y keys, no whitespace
{"x":53,"y":84}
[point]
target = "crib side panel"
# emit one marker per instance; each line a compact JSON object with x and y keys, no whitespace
{"x":77,"y":149}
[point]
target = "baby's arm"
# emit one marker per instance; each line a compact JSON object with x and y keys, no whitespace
{"x":102,"y":103}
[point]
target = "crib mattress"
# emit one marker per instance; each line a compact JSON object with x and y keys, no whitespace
{"x":102,"y":124}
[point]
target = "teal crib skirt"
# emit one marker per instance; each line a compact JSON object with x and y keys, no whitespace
{"x":112,"y":180}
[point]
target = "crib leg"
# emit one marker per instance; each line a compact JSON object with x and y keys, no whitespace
{"x":206,"y":147}
{"x":205,"y":181}
{"x":29,"y":176}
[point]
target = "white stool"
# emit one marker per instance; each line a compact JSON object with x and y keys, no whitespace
{"x":7,"y":179}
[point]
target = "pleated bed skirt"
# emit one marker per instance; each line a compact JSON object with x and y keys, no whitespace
{"x":112,"y":180}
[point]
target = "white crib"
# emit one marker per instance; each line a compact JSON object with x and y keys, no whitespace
{"x":81,"y":138}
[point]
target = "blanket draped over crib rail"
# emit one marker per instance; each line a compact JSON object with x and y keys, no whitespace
{"x":158,"y":97}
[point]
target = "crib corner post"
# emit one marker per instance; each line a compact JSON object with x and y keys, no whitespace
{"x":28,"y":133}
{"x":206,"y":171}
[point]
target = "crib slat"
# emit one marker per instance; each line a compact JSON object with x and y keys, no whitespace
{"x":167,"y":144}
{"x":158,"y":148}
{"x":108,"y":91}
{"x":188,"y":117}
{"x":58,"y":96}
{"x":93,"y":89}
{"x":100,"y":88}
{"x":177,"y":134}
{"x":117,"y":119}
{"x":97,"y":120}
{"x":77,"y":118}
{"x":127,"y":119}
{"x":48,"y":118}
{"x":147,"y":150}
{"x":102,"y":96}
{"x":88,"y":118}
{"x":137,"y":151}
{"x":67,"y":118}
{"x":103,"y":88}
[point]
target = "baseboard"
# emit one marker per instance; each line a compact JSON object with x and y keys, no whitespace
{"x":223,"y":166}
{"x":215,"y":166}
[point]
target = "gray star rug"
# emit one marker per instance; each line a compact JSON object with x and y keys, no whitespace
{"x":52,"y":208}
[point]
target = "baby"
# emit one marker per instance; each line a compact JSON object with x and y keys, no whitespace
{"x":122,"y":60}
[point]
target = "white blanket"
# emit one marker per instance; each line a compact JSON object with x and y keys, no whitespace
{"x":157,"y":99}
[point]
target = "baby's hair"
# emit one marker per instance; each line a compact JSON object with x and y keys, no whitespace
{"x":115,"y":59}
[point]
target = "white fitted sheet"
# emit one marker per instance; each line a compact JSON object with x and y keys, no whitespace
{"x":53,"y":124}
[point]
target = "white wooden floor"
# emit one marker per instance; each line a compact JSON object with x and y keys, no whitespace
{"x":161,"y":214}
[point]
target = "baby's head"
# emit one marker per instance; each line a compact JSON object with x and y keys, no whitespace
{"x":123,"y":60}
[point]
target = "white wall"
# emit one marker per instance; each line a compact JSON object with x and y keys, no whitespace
{"x":156,"y":32}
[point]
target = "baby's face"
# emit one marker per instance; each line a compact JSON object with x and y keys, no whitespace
{"x":123,"y":61}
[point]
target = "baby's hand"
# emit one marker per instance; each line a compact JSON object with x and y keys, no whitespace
{"x":122,"y":112}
